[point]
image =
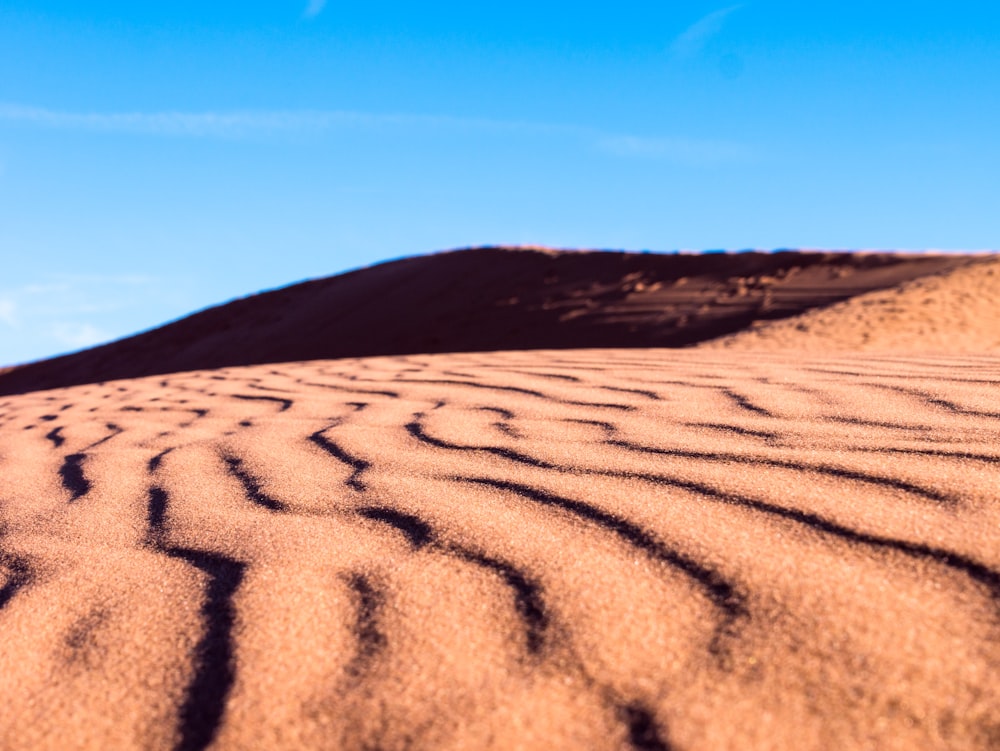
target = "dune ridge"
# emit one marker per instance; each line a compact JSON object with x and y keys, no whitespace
{"x":489,"y":299}
{"x":634,"y":549}
{"x":954,"y":311}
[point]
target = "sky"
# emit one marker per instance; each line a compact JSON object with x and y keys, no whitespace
{"x":160,"y":157}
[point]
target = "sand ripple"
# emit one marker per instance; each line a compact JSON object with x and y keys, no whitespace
{"x":582,"y":549}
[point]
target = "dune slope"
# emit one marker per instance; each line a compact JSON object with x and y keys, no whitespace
{"x":955,"y":311}
{"x":491,"y":299}
{"x":595,"y":549}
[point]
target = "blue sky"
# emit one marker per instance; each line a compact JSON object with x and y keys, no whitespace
{"x":156,"y":158}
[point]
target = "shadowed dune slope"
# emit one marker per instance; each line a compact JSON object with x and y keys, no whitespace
{"x":956,"y":311}
{"x":597,"y":549}
{"x":491,"y":299}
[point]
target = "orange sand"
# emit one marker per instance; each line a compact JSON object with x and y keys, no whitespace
{"x":591,"y":549}
{"x":957,"y":311}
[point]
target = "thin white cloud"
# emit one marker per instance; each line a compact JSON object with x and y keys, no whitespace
{"x":78,"y":334}
{"x":314,"y":8}
{"x":691,"y":41}
{"x":692,"y":152}
{"x":67,"y":284}
{"x":70,"y":295}
{"x":8,"y":313}
{"x":197,"y":124}
{"x":235,"y":124}
{"x":62,"y":311}
{"x":127,"y":280}
{"x":227,"y":124}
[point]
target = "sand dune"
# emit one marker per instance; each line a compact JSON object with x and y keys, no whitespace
{"x":590,"y":549}
{"x":491,"y":299}
{"x":243,"y":543}
{"x":955,"y":311}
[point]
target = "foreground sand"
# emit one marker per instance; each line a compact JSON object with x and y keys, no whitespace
{"x":642,"y":549}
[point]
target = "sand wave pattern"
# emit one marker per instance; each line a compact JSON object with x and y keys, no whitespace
{"x":587,"y":549}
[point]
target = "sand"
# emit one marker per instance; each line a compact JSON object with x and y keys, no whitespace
{"x":296,"y":522}
{"x":956,"y":311}
{"x":591,"y":549}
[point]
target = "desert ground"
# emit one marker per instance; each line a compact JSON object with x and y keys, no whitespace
{"x":786,"y":537}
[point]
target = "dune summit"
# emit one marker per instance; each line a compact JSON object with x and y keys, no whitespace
{"x":234,"y":541}
{"x":490,"y":299}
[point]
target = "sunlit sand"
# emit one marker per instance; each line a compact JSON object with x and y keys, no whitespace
{"x":580,"y":548}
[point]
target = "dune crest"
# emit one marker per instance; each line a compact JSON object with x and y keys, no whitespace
{"x":957,"y":311}
{"x":489,"y":299}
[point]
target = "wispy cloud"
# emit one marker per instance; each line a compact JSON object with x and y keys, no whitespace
{"x":314,"y":8}
{"x":689,"y":151}
{"x":691,"y":41}
{"x":7,"y":312}
{"x":195,"y":124}
{"x":692,"y":152}
{"x":125,"y":280}
{"x":228,"y":124}
{"x":78,"y":334}
{"x":59,"y":306}
{"x":60,"y":311}
{"x":68,"y":286}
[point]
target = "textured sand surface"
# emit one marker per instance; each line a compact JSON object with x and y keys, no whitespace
{"x":643,"y":549}
{"x":956,"y":311}
{"x":490,"y":299}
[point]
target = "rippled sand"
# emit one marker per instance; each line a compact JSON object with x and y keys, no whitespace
{"x":591,"y":549}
